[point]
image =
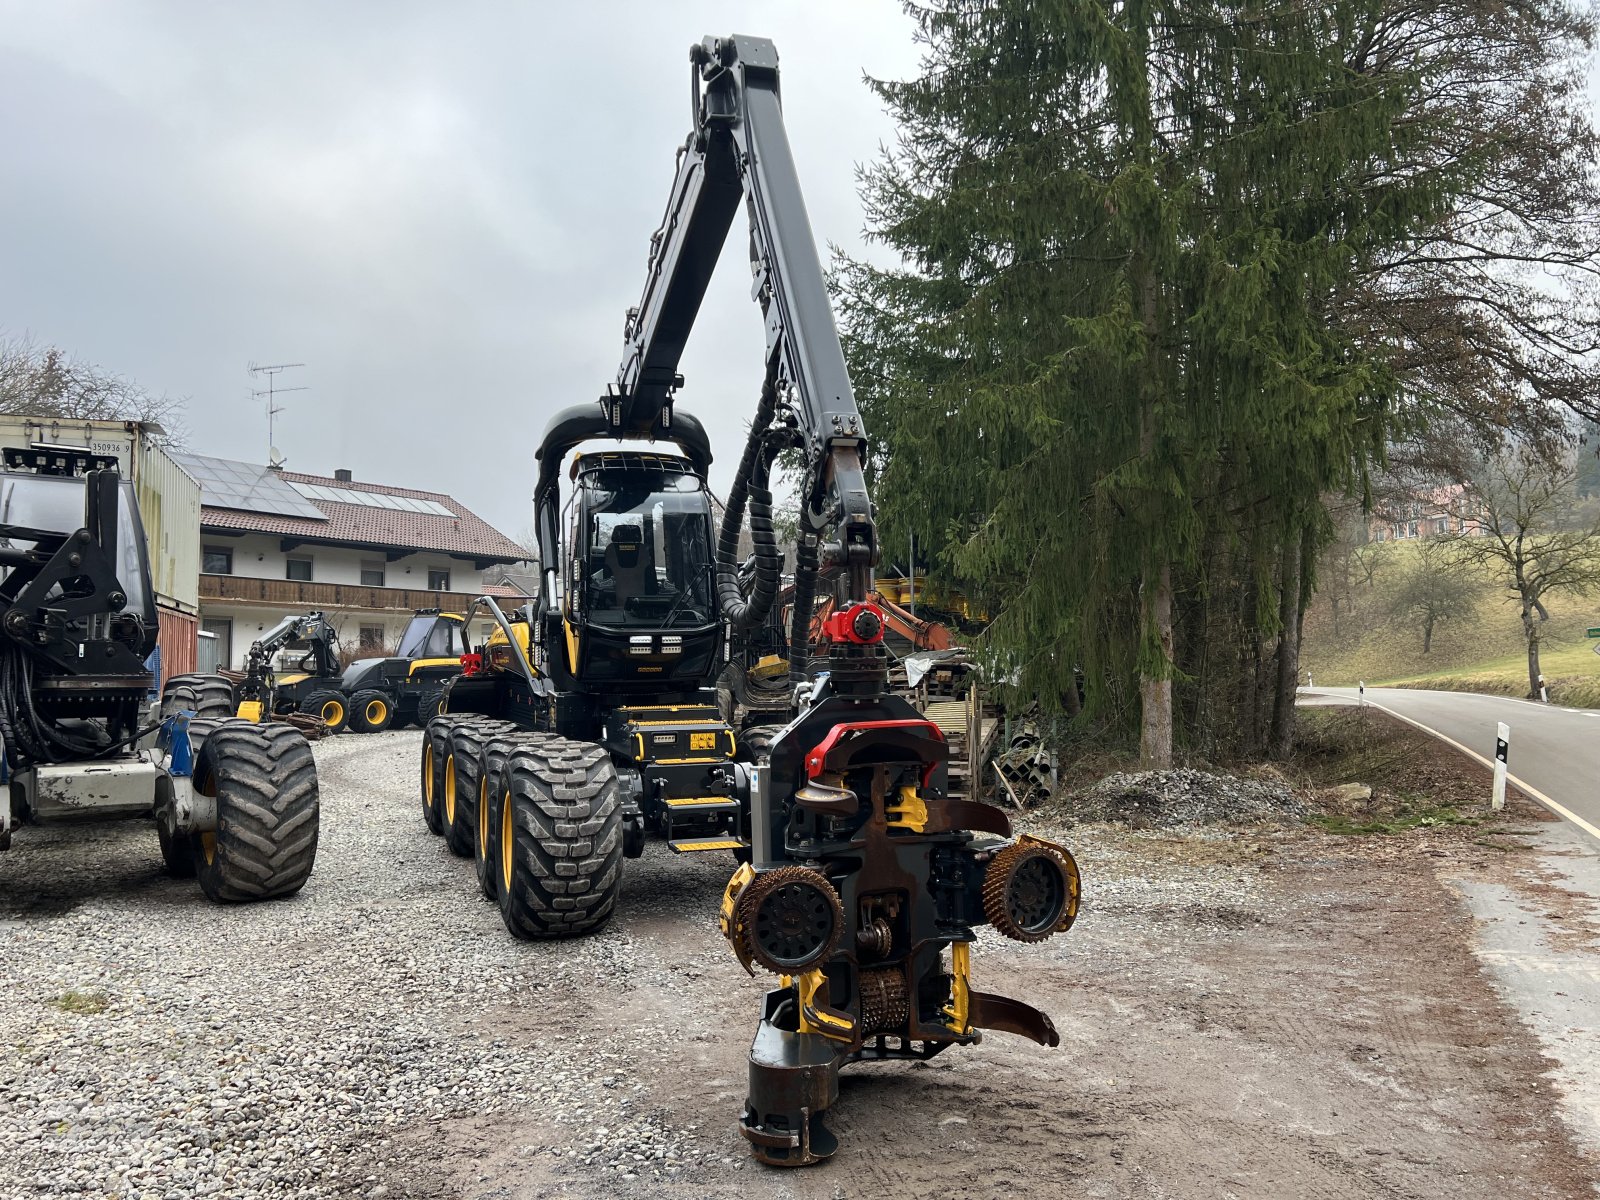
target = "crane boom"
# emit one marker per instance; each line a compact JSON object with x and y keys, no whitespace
{"x":738,"y":149}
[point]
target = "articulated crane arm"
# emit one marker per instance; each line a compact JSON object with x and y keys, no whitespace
{"x":738,"y":150}
{"x":866,"y":879}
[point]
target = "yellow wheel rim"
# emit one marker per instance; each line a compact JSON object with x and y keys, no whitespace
{"x":333,"y":712}
{"x":483,"y":819}
{"x":208,"y":846}
{"x":505,"y":840}
{"x":376,"y":711}
{"x":427,"y":775}
{"x":450,"y":790}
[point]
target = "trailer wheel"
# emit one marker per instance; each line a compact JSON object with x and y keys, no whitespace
{"x":265,"y":783}
{"x":458,"y":811}
{"x":560,"y":839}
{"x":206,"y":695}
{"x":178,"y":854}
{"x":491,"y":787}
{"x":435,"y":749}
{"x":371,"y":711}
{"x":332,"y":707}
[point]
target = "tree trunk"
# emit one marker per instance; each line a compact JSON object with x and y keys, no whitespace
{"x":1530,"y":630}
{"x":1427,"y":634}
{"x":1288,"y":683}
{"x":1155,"y":695}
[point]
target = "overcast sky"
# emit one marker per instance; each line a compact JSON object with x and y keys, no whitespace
{"x":443,"y":210}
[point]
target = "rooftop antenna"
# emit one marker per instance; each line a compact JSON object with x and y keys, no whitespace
{"x":269,"y":393}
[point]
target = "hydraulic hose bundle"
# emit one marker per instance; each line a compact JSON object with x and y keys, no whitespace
{"x":29,"y":738}
{"x":750,"y":485}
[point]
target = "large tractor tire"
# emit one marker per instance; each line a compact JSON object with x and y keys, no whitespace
{"x":458,"y":812}
{"x":429,"y":705}
{"x":435,"y":752}
{"x":491,"y":789}
{"x":265,"y":784}
{"x":752,"y":745}
{"x":205,"y":695}
{"x":560,"y":839}
{"x":371,"y":711}
{"x":331,"y":706}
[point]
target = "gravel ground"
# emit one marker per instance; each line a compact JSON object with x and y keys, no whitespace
{"x":1235,"y":1023}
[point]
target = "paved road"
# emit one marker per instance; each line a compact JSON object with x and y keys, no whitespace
{"x":1555,"y":751}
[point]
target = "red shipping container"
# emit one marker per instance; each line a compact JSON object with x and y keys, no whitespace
{"x":177,"y":642}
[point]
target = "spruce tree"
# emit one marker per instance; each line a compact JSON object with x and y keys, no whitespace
{"x":1107,"y":368}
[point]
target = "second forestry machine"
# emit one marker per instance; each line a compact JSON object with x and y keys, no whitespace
{"x":593,"y":719}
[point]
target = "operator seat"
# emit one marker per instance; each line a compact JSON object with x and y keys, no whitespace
{"x":628,"y":563}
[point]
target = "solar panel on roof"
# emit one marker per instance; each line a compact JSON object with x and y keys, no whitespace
{"x":226,"y":483}
{"x":386,"y":500}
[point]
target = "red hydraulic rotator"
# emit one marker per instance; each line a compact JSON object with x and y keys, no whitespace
{"x":860,"y":624}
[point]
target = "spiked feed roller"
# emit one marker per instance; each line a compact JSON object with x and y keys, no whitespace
{"x":863,"y":895}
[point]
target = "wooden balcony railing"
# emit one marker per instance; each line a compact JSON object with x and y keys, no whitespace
{"x":290,"y":593}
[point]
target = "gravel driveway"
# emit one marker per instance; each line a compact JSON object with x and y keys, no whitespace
{"x":1231,"y":1025}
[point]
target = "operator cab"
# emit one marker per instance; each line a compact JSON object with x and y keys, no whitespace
{"x":432,"y":634}
{"x":641,"y":575}
{"x":642,"y":527}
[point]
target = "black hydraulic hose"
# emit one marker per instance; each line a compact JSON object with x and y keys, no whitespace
{"x":750,"y":484}
{"x":807,"y":557}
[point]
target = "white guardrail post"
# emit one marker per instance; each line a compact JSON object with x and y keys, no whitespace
{"x":1502,"y":748}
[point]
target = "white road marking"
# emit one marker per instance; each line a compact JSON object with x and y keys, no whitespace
{"x":1560,"y":809}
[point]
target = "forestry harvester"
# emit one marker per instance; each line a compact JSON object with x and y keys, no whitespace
{"x":593,"y":719}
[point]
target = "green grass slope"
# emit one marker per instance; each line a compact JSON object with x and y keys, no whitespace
{"x":1483,"y":652}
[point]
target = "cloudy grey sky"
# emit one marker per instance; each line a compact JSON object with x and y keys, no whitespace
{"x":442,"y":209}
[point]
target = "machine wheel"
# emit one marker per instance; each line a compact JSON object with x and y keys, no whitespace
{"x":752,"y":745}
{"x":459,"y":801}
{"x":560,"y":839}
{"x":178,"y":854}
{"x":371,"y":711}
{"x":491,"y":788}
{"x":332,"y":707}
{"x":207,"y":695}
{"x":428,"y":706}
{"x":265,"y":784}
{"x":435,"y":750}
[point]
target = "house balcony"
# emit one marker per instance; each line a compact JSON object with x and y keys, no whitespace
{"x":293,"y":594}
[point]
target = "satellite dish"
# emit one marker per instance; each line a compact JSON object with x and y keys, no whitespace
{"x":275,"y":457}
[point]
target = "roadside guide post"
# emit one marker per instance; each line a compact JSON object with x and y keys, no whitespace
{"x":1502,"y":747}
{"x":1361,"y":693}
{"x":1544,"y":692}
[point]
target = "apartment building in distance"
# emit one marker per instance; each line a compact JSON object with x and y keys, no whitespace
{"x":276,"y":542}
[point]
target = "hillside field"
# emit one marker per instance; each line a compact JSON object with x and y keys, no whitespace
{"x":1482,"y":652}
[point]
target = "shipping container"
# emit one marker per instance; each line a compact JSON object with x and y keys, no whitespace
{"x":179,"y":652}
{"x":169,"y":497}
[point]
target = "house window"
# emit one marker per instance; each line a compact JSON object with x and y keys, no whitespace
{"x":216,"y":560}
{"x":1411,"y":529}
{"x":1442,"y":525}
{"x":438,"y":581}
{"x":297,"y":568}
{"x":221,"y":628}
{"x":372,"y":637}
{"x":371,"y":574}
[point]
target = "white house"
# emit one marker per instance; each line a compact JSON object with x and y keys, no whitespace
{"x":276,"y":542}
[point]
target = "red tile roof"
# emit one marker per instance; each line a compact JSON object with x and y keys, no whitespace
{"x":465,"y":534}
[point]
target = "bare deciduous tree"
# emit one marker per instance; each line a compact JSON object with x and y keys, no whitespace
{"x":1435,"y":588}
{"x":47,"y":382}
{"x":1533,"y":533}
